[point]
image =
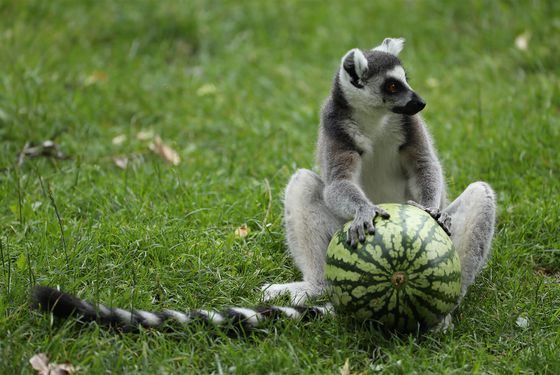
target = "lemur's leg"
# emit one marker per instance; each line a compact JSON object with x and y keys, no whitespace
{"x":309,"y":227}
{"x":472,"y":227}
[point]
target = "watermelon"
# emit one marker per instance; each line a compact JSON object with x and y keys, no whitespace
{"x":406,"y":276}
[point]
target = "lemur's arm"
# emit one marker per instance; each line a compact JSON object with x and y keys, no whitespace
{"x":345,"y":198}
{"x":342,"y":196}
{"x":419,"y":160}
{"x":425,"y":183}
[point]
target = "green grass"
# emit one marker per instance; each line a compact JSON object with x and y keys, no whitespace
{"x":156,"y":236}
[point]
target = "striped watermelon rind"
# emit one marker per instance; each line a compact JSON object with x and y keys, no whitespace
{"x":407,"y":276}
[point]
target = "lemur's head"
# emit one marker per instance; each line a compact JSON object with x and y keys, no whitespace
{"x":375,"y":79}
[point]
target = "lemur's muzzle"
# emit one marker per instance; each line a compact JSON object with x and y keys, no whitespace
{"x":414,"y":105}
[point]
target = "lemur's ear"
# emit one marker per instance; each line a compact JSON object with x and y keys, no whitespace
{"x":391,"y":45}
{"x":355,"y":65}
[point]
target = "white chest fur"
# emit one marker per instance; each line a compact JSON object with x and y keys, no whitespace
{"x":381,"y":176}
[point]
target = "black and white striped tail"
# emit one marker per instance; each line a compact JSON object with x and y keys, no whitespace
{"x":64,"y":305}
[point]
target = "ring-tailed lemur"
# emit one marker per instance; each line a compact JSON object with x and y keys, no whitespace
{"x":65,"y":305}
{"x":374,"y":148}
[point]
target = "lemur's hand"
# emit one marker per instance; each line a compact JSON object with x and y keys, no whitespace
{"x":443,"y":219}
{"x":364,"y":221}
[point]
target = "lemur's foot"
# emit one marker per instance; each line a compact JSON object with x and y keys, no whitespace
{"x":444,"y":325}
{"x":299,"y":291}
{"x":443,"y":219}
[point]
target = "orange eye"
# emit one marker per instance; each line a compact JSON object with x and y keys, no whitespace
{"x":392,"y":87}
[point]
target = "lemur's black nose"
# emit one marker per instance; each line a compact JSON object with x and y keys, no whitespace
{"x":414,"y":105}
{"x":417,"y":102}
{"x":420,"y":104}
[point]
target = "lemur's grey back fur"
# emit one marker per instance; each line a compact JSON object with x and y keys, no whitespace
{"x":65,"y":305}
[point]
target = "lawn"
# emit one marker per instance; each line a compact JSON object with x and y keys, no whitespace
{"x":235,"y":87}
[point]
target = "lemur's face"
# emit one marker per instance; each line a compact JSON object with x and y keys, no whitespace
{"x":375,"y":79}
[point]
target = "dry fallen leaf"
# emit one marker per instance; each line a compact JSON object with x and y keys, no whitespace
{"x":40,"y":362}
{"x":206,"y":89}
{"x":120,"y":161}
{"x":522,"y":322}
{"x":345,"y":370}
{"x":242,"y":231}
{"x":551,"y":274}
{"x":119,"y":139}
{"x":522,"y":41}
{"x":377,"y":368}
{"x":163,"y":150}
{"x":145,"y":135}
{"x":97,"y":76}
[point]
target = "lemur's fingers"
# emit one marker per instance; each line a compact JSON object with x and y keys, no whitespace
{"x":356,"y":233}
{"x":361,"y":233}
{"x":434,"y":212}
{"x":362,"y":222}
{"x":369,"y":227}
{"x":444,"y":221}
{"x":381,"y":212}
{"x":417,"y":205}
{"x":352,"y":236}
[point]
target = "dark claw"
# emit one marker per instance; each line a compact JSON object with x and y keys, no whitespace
{"x":370,"y":228}
{"x":445,"y":228}
{"x":434,"y":212}
{"x":361,"y":234}
{"x":383,"y":214}
{"x":444,"y":221}
{"x":351,"y":240}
